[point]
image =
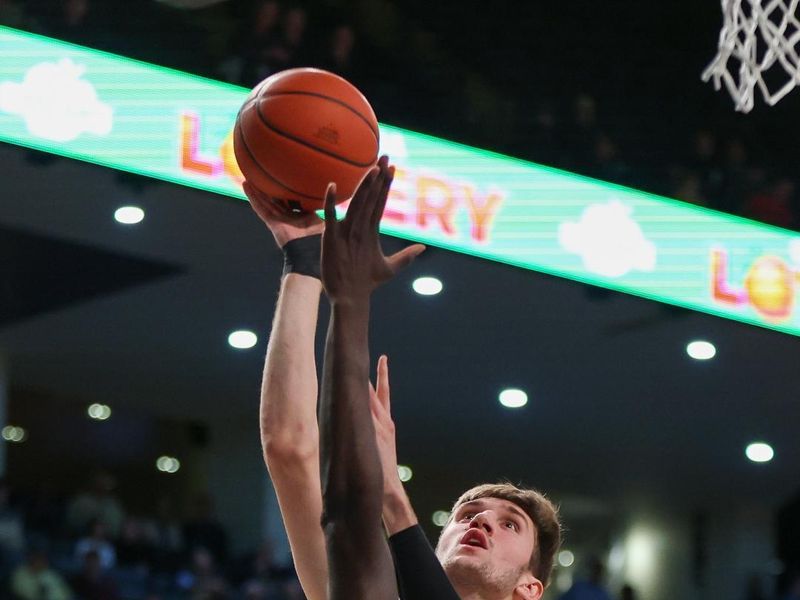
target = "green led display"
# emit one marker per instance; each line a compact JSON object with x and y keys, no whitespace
{"x":137,"y":117}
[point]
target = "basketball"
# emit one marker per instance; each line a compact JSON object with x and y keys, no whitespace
{"x":301,"y":129}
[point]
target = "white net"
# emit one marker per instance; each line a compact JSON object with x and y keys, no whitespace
{"x":756,"y":36}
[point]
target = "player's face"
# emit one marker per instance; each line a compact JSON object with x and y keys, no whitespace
{"x":489,"y":543}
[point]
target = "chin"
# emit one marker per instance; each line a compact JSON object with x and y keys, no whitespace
{"x":470,"y":570}
{"x":461,"y":566}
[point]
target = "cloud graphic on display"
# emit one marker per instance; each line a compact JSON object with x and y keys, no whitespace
{"x":56,"y":103}
{"x":608,"y":240}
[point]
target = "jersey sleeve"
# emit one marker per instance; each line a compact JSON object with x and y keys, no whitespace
{"x":420,"y":576}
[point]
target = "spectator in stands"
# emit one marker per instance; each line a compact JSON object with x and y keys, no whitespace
{"x":288,"y":50}
{"x":338,"y":56}
{"x":201,"y":579}
{"x":581,"y":132}
{"x":44,"y":512}
{"x":704,"y":161}
{"x":96,"y":504}
{"x":592,"y":587}
{"x":93,"y":582}
{"x":545,"y":144}
{"x":292,"y":589}
{"x":96,"y":541}
{"x":627,"y":593}
{"x":12,"y":532}
{"x":35,"y":580}
{"x":71,"y":20}
{"x":165,"y":536}
{"x":687,"y":186}
{"x":606,"y":162}
{"x":773,"y":204}
{"x":791,"y":590}
{"x":735,"y":185}
{"x":134,"y":549}
{"x":203,"y":530}
{"x":262,"y":577}
{"x":12,"y":14}
{"x":255,"y":36}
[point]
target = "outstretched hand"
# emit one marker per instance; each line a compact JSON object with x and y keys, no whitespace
{"x":284,"y":224}
{"x":353,"y":263}
{"x":381,"y":409}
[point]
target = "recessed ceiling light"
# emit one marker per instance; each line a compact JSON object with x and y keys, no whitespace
{"x":243,"y":339}
{"x":404,"y":473}
{"x":566,"y":558}
{"x":701,"y":350}
{"x":513,"y":398}
{"x":759,"y":452}
{"x":440,"y":517}
{"x":129,"y":215}
{"x":427,"y":286}
{"x":14,"y":434}
{"x":168,"y":464}
{"x":99,"y":412}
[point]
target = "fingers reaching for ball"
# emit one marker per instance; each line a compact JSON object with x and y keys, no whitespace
{"x":283,"y":223}
{"x":353,"y":263}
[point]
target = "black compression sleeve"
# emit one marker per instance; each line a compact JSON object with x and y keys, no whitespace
{"x":420,"y":576}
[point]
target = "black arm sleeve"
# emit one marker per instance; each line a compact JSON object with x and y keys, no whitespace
{"x":420,"y":576}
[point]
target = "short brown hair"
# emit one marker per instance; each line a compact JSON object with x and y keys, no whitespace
{"x":542,"y":512}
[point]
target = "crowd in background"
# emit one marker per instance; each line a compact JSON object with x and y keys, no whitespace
{"x":410,"y":83}
{"x":88,"y":546}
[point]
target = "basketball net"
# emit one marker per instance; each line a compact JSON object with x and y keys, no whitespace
{"x":756,"y":35}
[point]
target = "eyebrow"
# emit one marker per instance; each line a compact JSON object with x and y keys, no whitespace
{"x":511,"y":507}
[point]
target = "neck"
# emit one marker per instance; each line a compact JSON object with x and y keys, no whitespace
{"x":477,"y":591}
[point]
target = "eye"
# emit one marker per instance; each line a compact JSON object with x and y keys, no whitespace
{"x":511,"y":525}
{"x":466,"y":516}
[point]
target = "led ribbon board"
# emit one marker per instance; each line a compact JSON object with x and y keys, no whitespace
{"x":137,"y":117}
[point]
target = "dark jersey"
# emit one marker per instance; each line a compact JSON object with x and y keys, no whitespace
{"x":420,"y":576}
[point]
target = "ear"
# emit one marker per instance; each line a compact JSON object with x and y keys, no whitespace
{"x":528,"y":588}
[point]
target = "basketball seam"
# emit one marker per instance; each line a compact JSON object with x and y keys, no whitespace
{"x":334,"y":100}
{"x":302,"y":142}
{"x":270,"y":175}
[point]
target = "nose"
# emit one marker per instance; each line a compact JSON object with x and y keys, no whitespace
{"x":483,"y":520}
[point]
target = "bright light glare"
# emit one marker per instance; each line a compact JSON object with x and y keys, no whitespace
{"x":129,"y":215}
{"x":405,"y":473}
{"x":99,"y":412}
{"x":513,"y":398}
{"x":440,"y":518}
{"x":616,"y":558}
{"x":642,"y":554}
{"x":14,"y":434}
{"x":168,"y":464}
{"x":243,"y":339}
{"x":427,"y":286}
{"x":566,"y":558}
{"x":759,"y":452}
{"x":700,"y":350}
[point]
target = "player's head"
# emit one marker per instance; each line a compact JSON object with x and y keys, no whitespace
{"x":502,"y":536}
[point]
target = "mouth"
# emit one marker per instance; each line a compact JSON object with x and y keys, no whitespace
{"x":474,"y":538}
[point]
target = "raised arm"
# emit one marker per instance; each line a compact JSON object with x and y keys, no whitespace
{"x":353,"y":265}
{"x":398,"y":514}
{"x":420,"y":575}
{"x":288,"y":420}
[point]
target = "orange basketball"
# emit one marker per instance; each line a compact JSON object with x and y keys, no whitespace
{"x":300,"y":129}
